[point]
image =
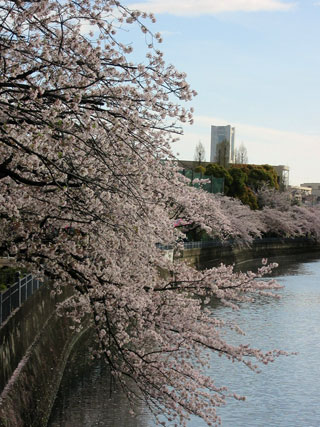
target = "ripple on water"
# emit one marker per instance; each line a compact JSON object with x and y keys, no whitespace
{"x":285,"y":393}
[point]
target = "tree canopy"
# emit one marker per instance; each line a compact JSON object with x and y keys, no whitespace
{"x":259,"y":176}
{"x":241,"y":154}
{"x":87,"y":195}
{"x":244,"y":181}
{"x":218,"y":171}
{"x":199,"y":154}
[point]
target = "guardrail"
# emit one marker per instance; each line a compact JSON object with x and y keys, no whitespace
{"x":17,"y":294}
{"x":20,"y":291}
{"x":204,"y":244}
{"x":218,"y":243}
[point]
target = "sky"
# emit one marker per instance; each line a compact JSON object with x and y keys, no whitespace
{"x":256,"y":66}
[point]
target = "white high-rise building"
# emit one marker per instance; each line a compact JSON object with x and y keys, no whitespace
{"x":222,"y":145}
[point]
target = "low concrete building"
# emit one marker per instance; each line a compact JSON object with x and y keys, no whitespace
{"x":301,"y":194}
{"x":283,"y":175}
{"x":315,"y":187}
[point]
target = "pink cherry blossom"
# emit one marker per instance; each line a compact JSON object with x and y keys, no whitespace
{"x":89,"y":188}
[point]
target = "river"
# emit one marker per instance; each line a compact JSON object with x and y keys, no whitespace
{"x":285,"y":393}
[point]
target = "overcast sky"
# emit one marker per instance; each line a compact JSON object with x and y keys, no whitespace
{"x":255,"y":65}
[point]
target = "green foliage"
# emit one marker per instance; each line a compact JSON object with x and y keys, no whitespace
{"x":259,"y":176}
{"x":218,"y":171}
{"x":196,"y":234}
{"x":200,"y":169}
{"x":2,"y":287}
{"x":8,"y":276}
{"x":249,"y":198}
{"x":239,"y":181}
{"x":247,"y":179}
{"x":222,"y":153}
{"x":242,"y":181}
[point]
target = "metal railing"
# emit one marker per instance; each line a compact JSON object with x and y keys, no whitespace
{"x":17,"y":294}
{"x":230,"y":242}
{"x":203,"y":244}
{"x":255,"y":242}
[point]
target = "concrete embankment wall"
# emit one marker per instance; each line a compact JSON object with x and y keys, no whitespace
{"x":210,"y":257}
{"x":34,"y":347}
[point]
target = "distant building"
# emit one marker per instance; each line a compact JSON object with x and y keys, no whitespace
{"x":283,"y":176}
{"x":191,"y":164}
{"x":315,"y":193}
{"x":222,"y":145}
{"x":301,"y":194}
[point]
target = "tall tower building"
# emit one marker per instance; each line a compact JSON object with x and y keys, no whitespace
{"x":222,"y":145}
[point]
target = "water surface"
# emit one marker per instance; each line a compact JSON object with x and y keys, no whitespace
{"x":285,"y":394}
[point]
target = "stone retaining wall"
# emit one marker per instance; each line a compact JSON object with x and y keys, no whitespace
{"x":210,"y":257}
{"x":35,"y":344}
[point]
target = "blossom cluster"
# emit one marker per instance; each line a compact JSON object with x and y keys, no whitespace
{"x":88,"y":190}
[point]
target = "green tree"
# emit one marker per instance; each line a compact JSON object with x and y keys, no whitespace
{"x":200,"y":169}
{"x":239,"y":181}
{"x":218,"y":171}
{"x":223,"y":153}
{"x":259,"y":176}
{"x":249,"y":179}
{"x":249,"y":198}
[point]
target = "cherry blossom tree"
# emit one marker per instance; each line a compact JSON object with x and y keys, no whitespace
{"x":272,"y":198}
{"x":245,"y":223}
{"x":88,"y":188}
{"x":308,"y":219}
{"x":283,"y":218}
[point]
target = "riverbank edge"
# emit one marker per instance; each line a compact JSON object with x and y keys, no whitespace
{"x":35,"y":345}
{"x":211,"y":257}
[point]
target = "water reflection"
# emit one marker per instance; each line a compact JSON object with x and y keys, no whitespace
{"x":288,"y":265}
{"x":86,"y":397}
{"x":285,"y":393}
